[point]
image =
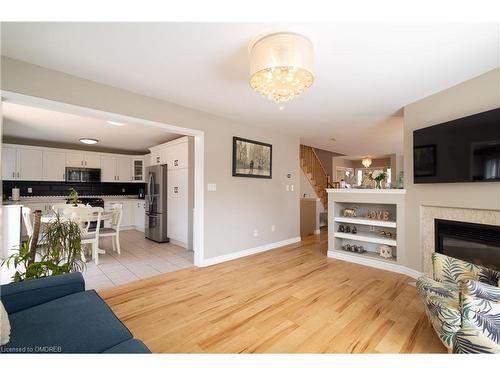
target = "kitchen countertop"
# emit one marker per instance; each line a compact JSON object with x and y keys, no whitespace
{"x":45,"y":199}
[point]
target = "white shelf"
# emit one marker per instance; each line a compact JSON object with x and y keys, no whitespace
{"x":366,"y":237}
{"x":362,"y":221}
{"x":367,"y":254}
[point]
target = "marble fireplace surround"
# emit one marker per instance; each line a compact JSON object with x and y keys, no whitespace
{"x":468,"y":215}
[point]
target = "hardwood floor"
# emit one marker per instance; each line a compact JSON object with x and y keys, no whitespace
{"x":290,"y":300}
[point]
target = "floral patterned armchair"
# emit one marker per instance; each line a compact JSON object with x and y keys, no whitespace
{"x":462,"y":303}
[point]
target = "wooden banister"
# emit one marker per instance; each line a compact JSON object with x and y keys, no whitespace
{"x":315,"y":172}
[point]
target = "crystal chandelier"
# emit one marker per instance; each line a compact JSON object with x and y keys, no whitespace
{"x":366,"y":162}
{"x":281,"y":65}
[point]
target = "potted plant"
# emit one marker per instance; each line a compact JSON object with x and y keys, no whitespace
{"x":59,"y":251}
{"x":378,"y":176}
{"x":73,"y":197}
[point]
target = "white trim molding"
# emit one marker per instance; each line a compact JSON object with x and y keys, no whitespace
{"x":247,"y":252}
{"x":393,"y":267}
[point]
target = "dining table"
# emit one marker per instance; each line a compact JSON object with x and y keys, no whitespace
{"x":51,"y":216}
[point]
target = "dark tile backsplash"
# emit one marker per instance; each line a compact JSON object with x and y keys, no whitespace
{"x":47,"y":188}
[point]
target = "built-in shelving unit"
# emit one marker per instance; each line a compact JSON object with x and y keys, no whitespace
{"x":366,"y":237}
{"x":370,"y":234}
{"x":362,"y":221}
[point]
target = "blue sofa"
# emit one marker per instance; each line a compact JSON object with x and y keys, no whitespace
{"x":56,"y":315}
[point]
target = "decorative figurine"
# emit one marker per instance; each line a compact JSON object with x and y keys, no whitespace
{"x":385,"y":251}
{"x":349,"y":212}
{"x":354,"y":230}
{"x":347,"y":229}
{"x":341,"y":228}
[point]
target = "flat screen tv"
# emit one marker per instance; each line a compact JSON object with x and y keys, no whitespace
{"x":462,"y":150}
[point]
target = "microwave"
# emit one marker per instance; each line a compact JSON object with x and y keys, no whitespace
{"x":83,"y":175}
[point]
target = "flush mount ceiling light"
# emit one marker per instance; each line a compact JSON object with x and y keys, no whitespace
{"x":115,"y":123}
{"x":88,"y":141}
{"x":366,"y":162}
{"x":281,"y":65}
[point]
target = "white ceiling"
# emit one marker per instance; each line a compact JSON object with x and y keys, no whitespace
{"x":364,"y":72}
{"x":31,"y":125}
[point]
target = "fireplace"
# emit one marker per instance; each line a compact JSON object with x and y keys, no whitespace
{"x":474,"y":243}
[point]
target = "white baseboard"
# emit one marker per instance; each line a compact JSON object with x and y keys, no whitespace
{"x":317,"y":231}
{"x":375,"y":263}
{"x":247,"y":252}
{"x":178,"y":243}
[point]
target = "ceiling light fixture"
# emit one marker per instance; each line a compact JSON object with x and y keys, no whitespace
{"x":281,"y":65}
{"x":366,"y":162}
{"x":115,"y":123}
{"x":88,"y":141}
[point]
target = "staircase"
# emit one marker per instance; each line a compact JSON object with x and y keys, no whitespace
{"x":315,"y":172}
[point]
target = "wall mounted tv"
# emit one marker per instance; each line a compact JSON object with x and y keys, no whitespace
{"x":462,"y":150}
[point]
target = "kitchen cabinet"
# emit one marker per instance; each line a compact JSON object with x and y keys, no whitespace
{"x":9,"y":163}
{"x":177,"y":203}
{"x":54,"y":166}
{"x":30,"y":164}
{"x":116,"y":168}
{"x":22,"y":164}
{"x":138,"y":170}
{"x":139,"y":208}
{"x":108,"y":168}
{"x":83,"y":159}
{"x":177,"y":157}
{"x":156,"y":157}
{"x":123,"y":168}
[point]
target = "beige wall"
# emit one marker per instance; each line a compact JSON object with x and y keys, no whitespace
{"x":476,"y":95}
{"x":239,"y":205}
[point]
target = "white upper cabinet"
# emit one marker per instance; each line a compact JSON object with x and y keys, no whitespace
{"x":138,"y":169}
{"x":83,"y":159}
{"x":9,"y":163}
{"x":108,"y":168}
{"x":178,"y":156}
{"x":116,"y":168}
{"x":92,"y":160}
{"x":29,"y":163}
{"x":54,"y":165}
{"x":32,"y":163}
{"x":156,"y":157}
{"x":74,"y":159}
{"x":123,"y":168}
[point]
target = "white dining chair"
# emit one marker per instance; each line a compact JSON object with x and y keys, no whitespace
{"x":27,"y":220}
{"x":27,"y":215}
{"x":114,"y":231}
{"x":84,"y":216}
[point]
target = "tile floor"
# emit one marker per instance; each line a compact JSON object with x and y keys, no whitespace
{"x":139,"y":259}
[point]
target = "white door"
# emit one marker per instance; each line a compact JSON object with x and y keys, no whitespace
{"x":108,"y":168}
{"x":75,"y":159}
{"x":54,"y":166}
{"x":30,"y":163}
{"x":9,"y":167}
{"x":92,"y":160}
{"x":124,"y":168}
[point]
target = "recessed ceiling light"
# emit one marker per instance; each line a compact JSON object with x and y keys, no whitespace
{"x":333,"y":139}
{"x":115,"y":123}
{"x":88,"y":141}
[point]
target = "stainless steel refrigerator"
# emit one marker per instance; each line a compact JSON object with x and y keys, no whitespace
{"x":156,"y":203}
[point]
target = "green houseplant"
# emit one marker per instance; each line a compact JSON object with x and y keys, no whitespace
{"x":378,"y":176}
{"x":58,"y":252}
{"x":73,"y":197}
